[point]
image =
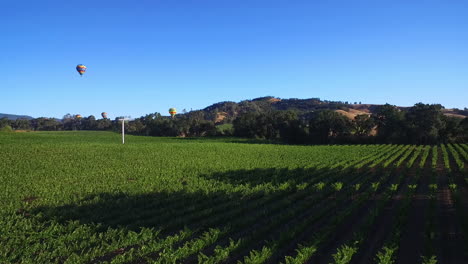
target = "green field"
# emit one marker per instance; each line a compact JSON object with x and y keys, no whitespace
{"x":83,"y":197}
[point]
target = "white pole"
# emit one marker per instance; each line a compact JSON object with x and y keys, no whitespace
{"x":123,"y":131}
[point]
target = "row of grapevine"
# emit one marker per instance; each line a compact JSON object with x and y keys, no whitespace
{"x":80,"y":198}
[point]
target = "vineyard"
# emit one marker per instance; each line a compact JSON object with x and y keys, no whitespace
{"x":83,"y":197}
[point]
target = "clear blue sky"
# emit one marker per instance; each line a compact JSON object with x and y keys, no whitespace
{"x":146,"y":56}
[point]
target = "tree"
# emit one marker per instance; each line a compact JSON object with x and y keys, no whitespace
{"x":289,"y":126}
{"x":68,"y":122}
{"x":104,"y":124}
{"x":224,"y":130}
{"x":328,"y":126}
{"x":390,"y":124}
{"x":21,"y":124}
{"x":89,"y":123}
{"x":4,"y":122}
{"x":245,"y":125}
{"x":423,"y":123}
{"x":135,"y":126}
{"x":451,"y":130}
{"x":202,"y":128}
{"x":47,"y":124}
{"x":464,"y":129}
{"x":363,"y":125}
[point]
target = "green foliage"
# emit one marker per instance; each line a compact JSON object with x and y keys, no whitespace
{"x":357,"y":187}
{"x":424,"y":123}
{"x":424,"y":156}
{"x":453,"y":186}
{"x":375,"y":186}
{"x":337,"y":186}
{"x":4,"y":122}
{"x":445,"y":157}
{"x":386,"y":256}
{"x":327,"y":126}
{"x":225,"y":130}
{"x":456,"y":156}
{"x":429,"y":260}
{"x":256,"y":256}
{"x":269,"y":125}
{"x":319,"y":186}
{"x":303,"y":254}
{"x":6,"y":129}
{"x":390,"y":123}
{"x":344,"y":254}
{"x":363,"y":125}
{"x":393,"y":187}
{"x":292,"y":121}
{"x":435,"y":155}
{"x":83,"y":197}
{"x":85,"y":194}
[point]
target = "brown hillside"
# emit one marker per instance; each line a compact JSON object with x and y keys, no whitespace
{"x":352,"y":113}
{"x":452,"y":113}
{"x":220,"y":117}
{"x":362,"y":109}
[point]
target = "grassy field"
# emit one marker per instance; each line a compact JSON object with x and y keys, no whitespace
{"x":83,"y":197}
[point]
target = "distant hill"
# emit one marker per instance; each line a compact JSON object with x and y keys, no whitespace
{"x":14,"y":117}
{"x":225,"y":112}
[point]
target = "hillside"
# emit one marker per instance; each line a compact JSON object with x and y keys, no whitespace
{"x":225,"y":112}
{"x":14,"y":117}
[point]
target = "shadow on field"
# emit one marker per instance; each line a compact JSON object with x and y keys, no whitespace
{"x":160,"y":210}
{"x":275,"y":199}
{"x":256,"y":141}
{"x":274,"y":176}
{"x":229,"y":140}
{"x":172,"y":211}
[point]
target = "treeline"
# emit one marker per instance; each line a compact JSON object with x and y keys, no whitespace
{"x":69,"y":122}
{"x":420,"y":124}
{"x":191,"y":124}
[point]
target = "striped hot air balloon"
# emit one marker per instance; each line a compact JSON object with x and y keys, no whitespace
{"x":81,"y":69}
{"x":104,"y":115}
{"x":172,"y":111}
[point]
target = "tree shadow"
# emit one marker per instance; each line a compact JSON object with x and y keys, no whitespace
{"x":159,"y":210}
{"x":257,"y":199}
{"x":167,"y":210}
{"x":256,"y":141}
{"x":230,"y":140}
{"x":274,"y":177}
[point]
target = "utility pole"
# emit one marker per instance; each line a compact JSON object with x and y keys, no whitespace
{"x":123,"y":119}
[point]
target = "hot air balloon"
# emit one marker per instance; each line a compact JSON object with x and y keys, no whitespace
{"x":172,"y":111}
{"x":78,"y":116}
{"x":81,"y":69}
{"x":104,"y":115}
